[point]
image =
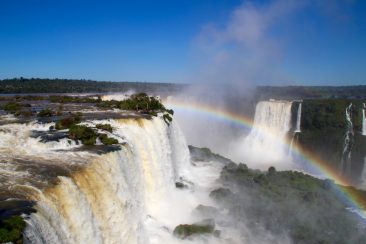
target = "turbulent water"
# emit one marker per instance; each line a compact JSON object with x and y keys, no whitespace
{"x":348,"y":142}
{"x":125,"y":196}
{"x":267,"y":141}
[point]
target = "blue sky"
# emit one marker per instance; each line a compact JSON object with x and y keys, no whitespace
{"x":265,"y":42}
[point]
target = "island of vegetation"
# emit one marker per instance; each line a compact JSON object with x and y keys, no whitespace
{"x":288,"y":204}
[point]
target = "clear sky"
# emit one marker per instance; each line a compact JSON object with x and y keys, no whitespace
{"x":313,"y":42}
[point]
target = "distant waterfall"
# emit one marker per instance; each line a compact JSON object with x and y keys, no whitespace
{"x":297,"y":130}
{"x":298,"y":119}
{"x":348,"y":142}
{"x":363,"y":174}
{"x":363,"y":120}
{"x":267,"y":139}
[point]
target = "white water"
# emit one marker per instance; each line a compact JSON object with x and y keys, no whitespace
{"x":363,"y":120}
{"x":347,"y":145}
{"x":267,"y":142}
{"x":127,"y":196}
{"x":298,"y":119}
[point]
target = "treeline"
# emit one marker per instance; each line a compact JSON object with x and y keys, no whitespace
{"x":311,"y":92}
{"x":37,"y":85}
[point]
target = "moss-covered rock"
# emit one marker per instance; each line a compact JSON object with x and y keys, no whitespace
{"x":45,"y":113}
{"x":106,"y":127}
{"x":186,"y":230}
{"x":68,"y":121}
{"x":107,"y":140}
{"x":83,"y":133}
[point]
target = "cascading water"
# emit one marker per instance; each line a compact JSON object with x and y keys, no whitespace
{"x":363,"y":120}
{"x":297,"y":130}
{"x":298,"y":119}
{"x":267,"y":139}
{"x":125,"y":196}
{"x":348,"y":142}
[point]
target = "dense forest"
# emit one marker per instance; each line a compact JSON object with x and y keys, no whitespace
{"x":37,"y":85}
{"x":311,"y":92}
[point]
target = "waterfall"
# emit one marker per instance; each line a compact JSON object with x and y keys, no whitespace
{"x":363,"y":120}
{"x":267,"y":140}
{"x":124,"y":196}
{"x":363,"y":175}
{"x":298,"y":119}
{"x":297,"y":130}
{"x":348,"y":142}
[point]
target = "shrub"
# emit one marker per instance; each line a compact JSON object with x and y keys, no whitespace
{"x":67,"y":122}
{"x":45,"y":113}
{"x":107,"y":140}
{"x":184,"y":231}
{"x":106,"y":127}
{"x":83,"y":133}
{"x":11,"y":229}
{"x":12,"y":107}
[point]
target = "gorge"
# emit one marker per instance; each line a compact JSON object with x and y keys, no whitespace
{"x":150,"y":187}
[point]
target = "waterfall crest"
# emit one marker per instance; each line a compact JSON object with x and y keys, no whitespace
{"x":114,"y":198}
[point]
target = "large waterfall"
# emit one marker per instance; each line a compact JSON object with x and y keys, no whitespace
{"x":267,"y":141}
{"x":124,"y":196}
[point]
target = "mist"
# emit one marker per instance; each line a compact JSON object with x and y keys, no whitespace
{"x":230,"y":60}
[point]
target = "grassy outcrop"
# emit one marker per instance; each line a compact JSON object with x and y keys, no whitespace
{"x":107,"y":140}
{"x":17,"y":109}
{"x":46,"y":112}
{"x":83,"y":133}
{"x":140,"y":102}
{"x":67,"y":122}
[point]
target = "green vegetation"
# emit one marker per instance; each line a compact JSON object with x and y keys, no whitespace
{"x":142,"y":103}
{"x":12,"y":107}
{"x":106,"y":127}
{"x":83,"y":133}
{"x":11,"y":229}
{"x":67,"y":122}
{"x":307,"y":209}
{"x":310,"y":92}
{"x":323,"y":127}
{"x":45,"y":113}
{"x":205,"y":154}
{"x":72,"y":99}
{"x":107,"y":140}
{"x":184,"y":231}
{"x":18,"y":109}
{"x":37,"y":85}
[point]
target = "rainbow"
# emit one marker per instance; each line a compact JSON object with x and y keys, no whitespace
{"x":354,"y":200}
